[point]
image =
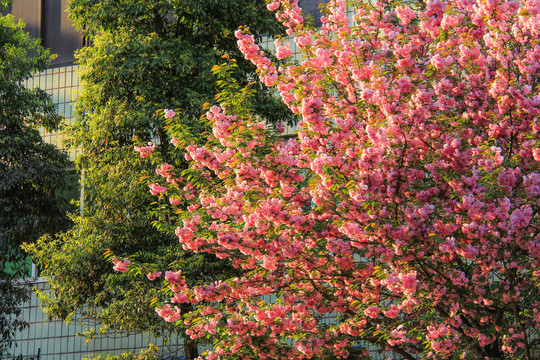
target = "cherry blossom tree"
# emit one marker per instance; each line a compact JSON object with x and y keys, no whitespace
{"x":403,"y":218}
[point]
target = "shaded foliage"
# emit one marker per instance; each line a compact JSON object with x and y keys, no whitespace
{"x":31,"y":171}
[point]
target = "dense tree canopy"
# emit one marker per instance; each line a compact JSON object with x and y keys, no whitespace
{"x":31,"y":172}
{"x":404,"y":218}
{"x":145,"y":55}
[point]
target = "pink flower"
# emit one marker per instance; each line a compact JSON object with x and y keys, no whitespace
{"x":184,"y":234}
{"x":282,"y":49}
{"x":121,"y":265}
{"x":144,"y":151}
{"x":405,"y":14}
{"x":273,"y":6}
{"x":169,"y":113}
{"x":154,"y":275}
{"x":536,"y":154}
{"x":303,"y":40}
{"x":372,"y":311}
{"x":408,"y":281}
{"x":165,"y":171}
{"x":173,"y":277}
{"x":269,"y":80}
{"x":269,"y":262}
{"x":404,"y":84}
{"x":157,"y":189}
{"x":392,"y":313}
{"x":168,"y":313}
{"x":449,"y":21}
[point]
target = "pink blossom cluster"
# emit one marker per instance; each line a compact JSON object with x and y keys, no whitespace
{"x":122,"y":266}
{"x":145,"y":151}
{"x":283,"y":49}
{"x":153,"y":275}
{"x":169,"y":113}
{"x":165,"y":171}
{"x":407,"y":205}
{"x":156,"y":189}
{"x":169,"y":313}
{"x":252,"y":52}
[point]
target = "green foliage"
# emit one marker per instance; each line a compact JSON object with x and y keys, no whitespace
{"x":146,"y":55}
{"x":31,"y":172}
{"x":11,"y":297}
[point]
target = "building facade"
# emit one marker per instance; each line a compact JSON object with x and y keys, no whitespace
{"x":48,"y":20}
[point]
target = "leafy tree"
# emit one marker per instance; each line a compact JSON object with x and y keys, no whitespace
{"x":145,"y":55}
{"x":405,"y":216}
{"x":31,"y":171}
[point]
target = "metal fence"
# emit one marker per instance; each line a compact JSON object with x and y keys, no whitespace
{"x":57,"y":340}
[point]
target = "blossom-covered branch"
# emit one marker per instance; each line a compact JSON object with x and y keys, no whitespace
{"x":403,"y":217}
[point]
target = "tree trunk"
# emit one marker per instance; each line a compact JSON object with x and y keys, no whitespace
{"x":190,"y":346}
